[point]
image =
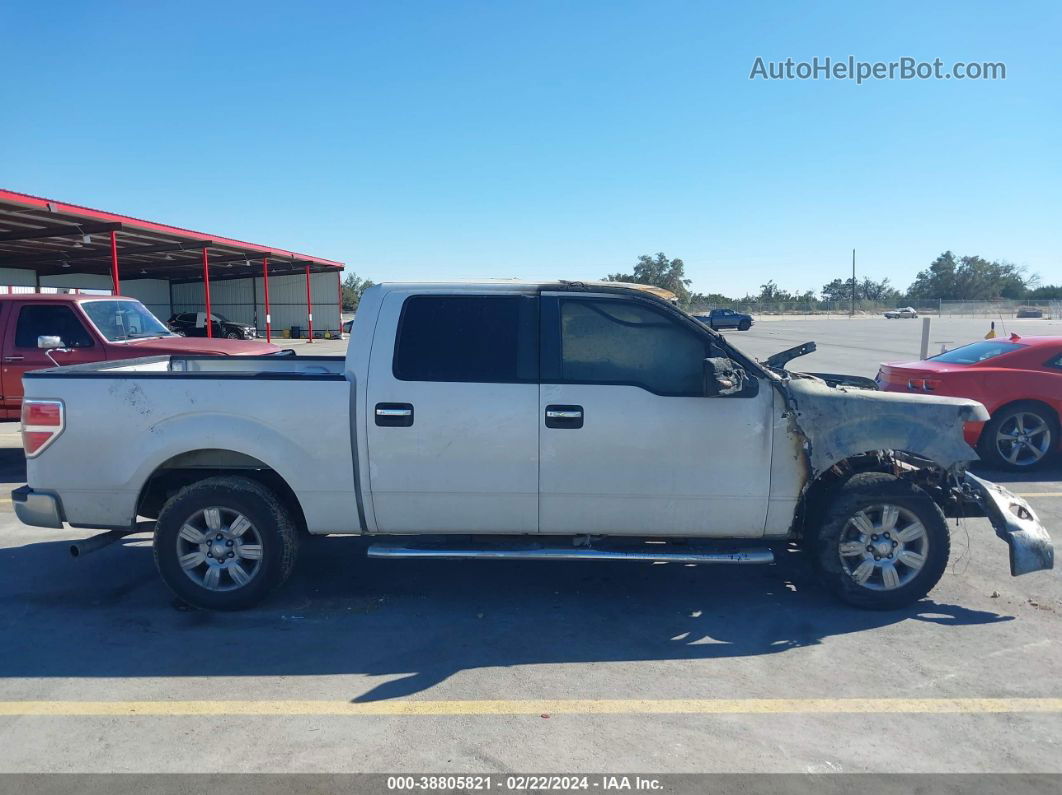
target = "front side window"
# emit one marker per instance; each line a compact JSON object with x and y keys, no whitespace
{"x":625,"y":342}
{"x":124,"y":320}
{"x":50,"y":321}
{"x":483,"y":339}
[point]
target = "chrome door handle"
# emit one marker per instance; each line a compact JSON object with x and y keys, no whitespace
{"x":558,"y":416}
{"x":394,"y":415}
{"x":14,"y":358}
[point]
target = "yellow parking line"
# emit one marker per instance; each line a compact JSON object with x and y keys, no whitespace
{"x":748,"y":706}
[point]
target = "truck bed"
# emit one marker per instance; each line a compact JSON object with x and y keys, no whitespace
{"x":126,"y":419}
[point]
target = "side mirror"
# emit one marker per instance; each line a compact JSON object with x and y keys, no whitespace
{"x":49,"y":343}
{"x":722,"y":377}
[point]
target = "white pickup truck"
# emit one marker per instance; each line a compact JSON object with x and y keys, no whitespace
{"x":562,"y":420}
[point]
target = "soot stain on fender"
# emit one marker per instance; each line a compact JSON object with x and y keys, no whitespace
{"x":836,"y":423}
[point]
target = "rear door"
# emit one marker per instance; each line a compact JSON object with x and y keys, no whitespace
{"x":452,"y":414}
{"x":629,"y":444}
{"x":26,"y":322}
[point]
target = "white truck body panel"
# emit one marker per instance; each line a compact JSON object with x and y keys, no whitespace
{"x":151,"y":420}
{"x":644,"y":464}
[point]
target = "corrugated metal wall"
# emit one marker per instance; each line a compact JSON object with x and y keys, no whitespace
{"x":152,"y":293}
{"x":240,"y":300}
{"x":243,"y":301}
{"x":16,"y":276}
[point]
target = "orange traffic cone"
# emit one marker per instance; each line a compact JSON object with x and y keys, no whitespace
{"x":991,"y":335}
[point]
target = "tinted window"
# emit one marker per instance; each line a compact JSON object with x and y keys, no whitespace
{"x":976,"y":352}
{"x":624,"y":342}
{"x":468,"y":338}
{"x":50,"y":321}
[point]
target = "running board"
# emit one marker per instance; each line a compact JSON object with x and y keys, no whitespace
{"x":742,"y":556}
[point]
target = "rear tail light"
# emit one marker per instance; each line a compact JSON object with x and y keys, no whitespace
{"x":42,"y":422}
{"x":923,"y":385}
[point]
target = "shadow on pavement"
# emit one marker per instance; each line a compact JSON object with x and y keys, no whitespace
{"x":108,"y":615}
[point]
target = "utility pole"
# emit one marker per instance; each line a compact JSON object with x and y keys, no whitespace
{"x":852,"y":313}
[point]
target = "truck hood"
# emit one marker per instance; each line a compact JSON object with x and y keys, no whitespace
{"x":838,"y":422}
{"x":201,"y":345}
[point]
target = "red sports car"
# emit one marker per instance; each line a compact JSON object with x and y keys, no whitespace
{"x":1019,"y":381}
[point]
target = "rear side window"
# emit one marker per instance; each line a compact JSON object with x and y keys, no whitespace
{"x":976,"y":352}
{"x":624,"y":342}
{"x":468,"y":338}
{"x":50,"y":321}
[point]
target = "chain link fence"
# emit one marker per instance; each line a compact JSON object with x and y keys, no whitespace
{"x":937,"y":307}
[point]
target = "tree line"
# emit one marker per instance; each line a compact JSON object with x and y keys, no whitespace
{"x":948,"y":278}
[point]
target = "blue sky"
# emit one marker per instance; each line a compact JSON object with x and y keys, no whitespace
{"x":548,"y":139}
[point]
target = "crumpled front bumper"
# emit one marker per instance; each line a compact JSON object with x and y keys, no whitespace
{"x":1016,"y":523}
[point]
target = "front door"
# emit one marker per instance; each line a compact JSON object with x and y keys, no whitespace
{"x":452,"y":405}
{"x":629,"y":445}
{"x":22,"y":326}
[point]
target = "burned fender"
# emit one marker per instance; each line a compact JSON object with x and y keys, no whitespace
{"x":1016,"y":523}
{"x":839,"y":422}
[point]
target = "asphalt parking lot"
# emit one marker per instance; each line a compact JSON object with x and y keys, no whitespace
{"x":422,"y":666}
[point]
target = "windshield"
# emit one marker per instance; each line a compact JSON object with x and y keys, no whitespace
{"x":976,"y":352}
{"x":124,"y":320}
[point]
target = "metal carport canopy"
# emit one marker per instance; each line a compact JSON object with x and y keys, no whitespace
{"x":52,"y":237}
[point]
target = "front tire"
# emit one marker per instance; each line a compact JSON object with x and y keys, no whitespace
{"x":224,"y":543}
{"x":883,"y":543}
{"x":1019,"y":438}
{"x":234,"y":335}
{"x":744,"y":325}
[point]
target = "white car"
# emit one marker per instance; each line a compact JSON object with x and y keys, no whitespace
{"x":536,"y":421}
{"x":902,"y":312}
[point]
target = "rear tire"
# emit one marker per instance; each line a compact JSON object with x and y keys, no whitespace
{"x":224,"y":543}
{"x":883,"y":543}
{"x":1001,"y":443}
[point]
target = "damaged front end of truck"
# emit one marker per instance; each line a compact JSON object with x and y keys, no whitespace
{"x":843,"y":425}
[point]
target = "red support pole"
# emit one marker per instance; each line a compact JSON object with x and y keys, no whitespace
{"x":117,"y":285}
{"x":206,"y":292}
{"x":265,"y":283}
{"x":309,"y":307}
{"x":339,"y":287}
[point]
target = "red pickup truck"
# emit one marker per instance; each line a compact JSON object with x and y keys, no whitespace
{"x":92,"y":328}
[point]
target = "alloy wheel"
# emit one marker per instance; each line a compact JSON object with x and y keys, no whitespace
{"x":883,"y":547}
{"x":1023,"y":439}
{"x":219,"y":549}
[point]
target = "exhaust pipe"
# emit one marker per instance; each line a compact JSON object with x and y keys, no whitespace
{"x":79,"y":548}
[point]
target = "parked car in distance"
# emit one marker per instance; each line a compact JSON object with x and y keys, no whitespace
{"x":508,"y":420}
{"x":190,"y":324}
{"x":1029,"y":312}
{"x":902,"y":312}
{"x":1019,"y":381}
{"x":725,"y":318}
{"x":90,"y":328}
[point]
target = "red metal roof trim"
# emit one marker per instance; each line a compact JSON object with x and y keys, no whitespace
{"x":51,"y":205}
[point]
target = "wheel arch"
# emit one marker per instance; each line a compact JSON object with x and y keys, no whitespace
{"x":820,"y":491}
{"x":1052,"y":411}
{"x":191,"y":466}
